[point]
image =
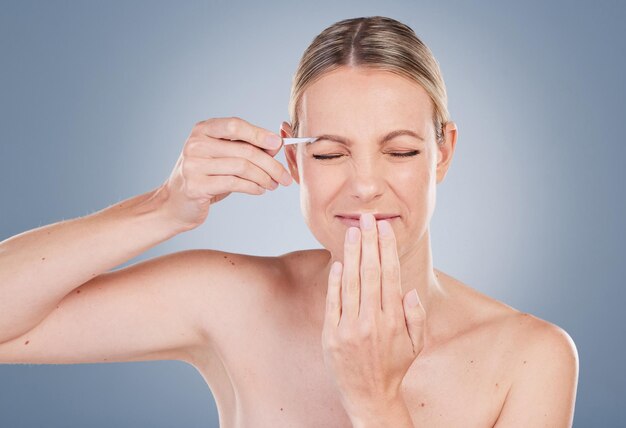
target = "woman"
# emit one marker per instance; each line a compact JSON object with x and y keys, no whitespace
{"x":384,"y":340}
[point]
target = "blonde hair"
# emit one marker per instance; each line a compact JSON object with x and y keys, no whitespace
{"x":375,"y":42}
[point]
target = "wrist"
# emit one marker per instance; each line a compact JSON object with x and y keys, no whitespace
{"x":148,"y":208}
{"x":392,"y":413}
{"x":158,"y":205}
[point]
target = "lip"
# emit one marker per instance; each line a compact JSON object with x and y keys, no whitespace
{"x":377,"y":216}
{"x":355,"y":221}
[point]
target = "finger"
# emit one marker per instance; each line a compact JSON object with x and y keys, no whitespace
{"x":414,"y":316}
{"x":211,"y":148}
{"x":350,"y":285}
{"x":236,"y":128}
{"x":333,"y":296}
{"x":390,"y":270}
{"x":217,"y":184}
{"x":370,"y":267}
{"x":240,"y":167}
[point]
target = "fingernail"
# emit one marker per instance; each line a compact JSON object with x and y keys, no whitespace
{"x":274,"y":141}
{"x":353,"y":234}
{"x":285,"y":179}
{"x":384,"y":228}
{"x":367,"y":220}
{"x":412,"y":299}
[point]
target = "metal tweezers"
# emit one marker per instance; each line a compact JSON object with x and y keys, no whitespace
{"x":287,"y":141}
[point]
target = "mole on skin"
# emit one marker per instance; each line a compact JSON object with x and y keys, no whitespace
{"x":231,"y":262}
{"x":27,"y":342}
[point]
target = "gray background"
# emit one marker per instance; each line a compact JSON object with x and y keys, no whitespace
{"x":97,"y":99}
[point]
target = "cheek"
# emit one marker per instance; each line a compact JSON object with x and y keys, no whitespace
{"x":415,"y":187}
{"x":318,"y":181}
{"x":424,"y":177}
{"x":317,"y":187}
{"x":413,"y":182}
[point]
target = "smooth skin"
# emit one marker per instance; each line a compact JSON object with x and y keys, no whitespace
{"x":254,"y":327}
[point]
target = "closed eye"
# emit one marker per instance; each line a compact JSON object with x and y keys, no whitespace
{"x":397,"y":154}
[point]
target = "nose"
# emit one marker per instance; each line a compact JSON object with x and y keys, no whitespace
{"x":367,"y":180}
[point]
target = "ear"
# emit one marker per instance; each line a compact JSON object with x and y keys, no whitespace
{"x":445,"y":150}
{"x":290,"y":151}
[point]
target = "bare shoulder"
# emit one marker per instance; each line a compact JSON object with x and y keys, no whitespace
{"x":541,"y":343}
{"x":207,"y":268}
{"x":540,"y":358}
{"x":541,"y":349}
{"x":230,"y":273}
{"x":233,"y":279}
{"x":544,"y":376}
{"x":225,"y":284}
{"x":525,"y":331}
{"x":239,"y":289}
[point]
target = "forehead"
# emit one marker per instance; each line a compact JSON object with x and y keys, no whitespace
{"x":349,"y":99}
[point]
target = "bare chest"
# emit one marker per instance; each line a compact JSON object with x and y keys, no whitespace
{"x":272,"y":374}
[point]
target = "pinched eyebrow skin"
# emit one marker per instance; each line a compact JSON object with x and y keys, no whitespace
{"x":389,"y":136}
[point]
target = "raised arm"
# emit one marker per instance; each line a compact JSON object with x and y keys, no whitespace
{"x":40,"y":267}
{"x":158,"y":309}
{"x":55,"y":288}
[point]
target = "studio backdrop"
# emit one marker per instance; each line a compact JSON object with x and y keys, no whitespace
{"x":97,"y":99}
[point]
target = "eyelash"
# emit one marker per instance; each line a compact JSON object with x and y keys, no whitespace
{"x":398,"y":155}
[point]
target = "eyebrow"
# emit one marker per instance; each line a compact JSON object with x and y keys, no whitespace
{"x":389,"y":136}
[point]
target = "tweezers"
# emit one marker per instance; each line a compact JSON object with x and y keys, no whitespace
{"x":287,"y":141}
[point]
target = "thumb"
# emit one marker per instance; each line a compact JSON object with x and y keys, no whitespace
{"x":284,"y":132}
{"x":415,"y":316}
{"x":273,"y":152}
